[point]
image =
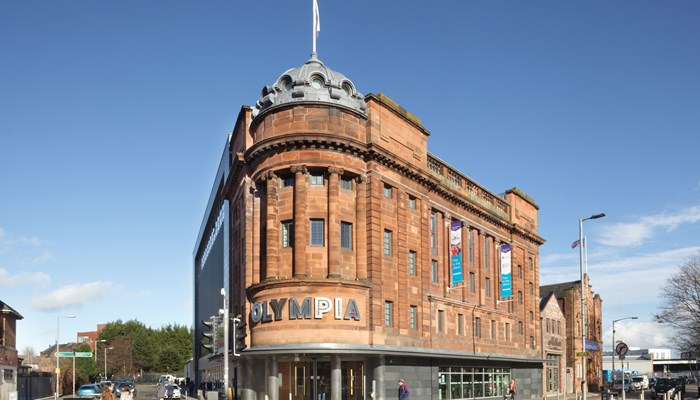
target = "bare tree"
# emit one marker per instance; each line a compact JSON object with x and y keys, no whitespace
{"x":680,"y":305}
{"x":28,"y":354}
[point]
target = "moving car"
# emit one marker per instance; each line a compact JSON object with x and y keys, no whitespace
{"x":640,"y":382}
{"x":119,"y":385}
{"x":628,"y":387}
{"x":89,"y":391}
{"x":172,"y":391}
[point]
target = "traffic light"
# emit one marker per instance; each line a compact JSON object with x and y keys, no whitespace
{"x":239,"y":335}
{"x":209,"y":335}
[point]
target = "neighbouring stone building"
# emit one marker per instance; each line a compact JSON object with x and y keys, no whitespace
{"x":568,"y":295}
{"x":9,"y":361}
{"x":356,"y":257}
{"x":553,"y":326}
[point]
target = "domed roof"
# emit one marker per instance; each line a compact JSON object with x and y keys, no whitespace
{"x":314,"y":82}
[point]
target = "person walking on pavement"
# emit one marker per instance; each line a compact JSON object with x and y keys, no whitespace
{"x":511,"y":389}
{"x":404,"y":390}
{"x":107,"y":392}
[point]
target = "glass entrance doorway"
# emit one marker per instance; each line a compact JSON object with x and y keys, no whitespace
{"x":311,"y":380}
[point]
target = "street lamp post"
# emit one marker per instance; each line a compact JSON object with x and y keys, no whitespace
{"x":97,"y":341}
{"x":226,"y":339}
{"x":58,"y":371}
{"x":613,"y":346}
{"x":584,"y":377}
{"x":106,"y":348}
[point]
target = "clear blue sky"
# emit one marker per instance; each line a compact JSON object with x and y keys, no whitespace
{"x":113,"y":116}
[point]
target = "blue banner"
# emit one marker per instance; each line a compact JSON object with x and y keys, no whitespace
{"x":456,"y":251}
{"x":506,"y":276}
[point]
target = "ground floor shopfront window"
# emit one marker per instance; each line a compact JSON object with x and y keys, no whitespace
{"x":472,"y":382}
{"x":553,"y":372}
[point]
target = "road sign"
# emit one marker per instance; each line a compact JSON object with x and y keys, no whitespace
{"x":621,"y":349}
{"x":582,"y":354}
{"x":64,"y":354}
{"x":83,"y":354}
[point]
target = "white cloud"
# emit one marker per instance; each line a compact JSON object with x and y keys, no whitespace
{"x":642,"y":334}
{"x":635,"y":233}
{"x":75,"y":295}
{"x":8,"y":280}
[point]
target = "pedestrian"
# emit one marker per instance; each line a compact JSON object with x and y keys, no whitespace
{"x":107,"y":392}
{"x":126,"y":393}
{"x":404,"y":390}
{"x":161,"y":391}
{"x":512,"y":388}
{"x":322,"y":389}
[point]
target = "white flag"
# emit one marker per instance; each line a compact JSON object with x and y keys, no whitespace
{"x":317,"y":19}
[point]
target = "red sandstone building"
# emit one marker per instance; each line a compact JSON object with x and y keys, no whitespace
{"x":336,"y":234}
{"x":9,"y":361}
{"x":568,"y":295}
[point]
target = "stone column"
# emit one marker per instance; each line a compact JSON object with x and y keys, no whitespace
{"x":273,"y":387}
{"x":301,"y":223}
{"x":272,"y":244}
{"x":254,"y":235}
{"x":378,"y":378}
{"x":247,"y":380}
{"x":334,"y":175}
{"x":361,"y":226}
{"x":336,"y":378}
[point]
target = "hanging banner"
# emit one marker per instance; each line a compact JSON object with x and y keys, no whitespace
{"x":456,"y":251}
{"x":506,"y":280}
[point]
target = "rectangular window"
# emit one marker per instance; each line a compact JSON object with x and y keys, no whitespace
{"x":413,"y":317}
{"x":412,"y":258}
{"x":486,"y":254}
{"x":434,"y":271}
{"x":471,"y":248}
{"x":433,"y":231}
{"x":507,"y":331}
{"x":493,"y":329}
{"x":441,"y":321}
{"x":287,"y":233}
{"x":547,"y":325}
{"x":346,"y":235}
{"x":532,"y":342}
{"x":317,"y":231}
{"x":411,"y":202}
{"x":532,"y":317}
{"x":316,"y":180}
{"x":387,"y":242}
{"x":531,"y":288}
{"x":520,"y":271}
{"x":487,"y":287}
{"x":558,"y":327}
{"x":472,"y":289}
{"x":531,"y":263}
{"x":460,"y":324}
{"x":287,"y":181}
{"x":520,"y":328}
{"x":388,"y":314}
{"x":477,"y":327}
{"x":346,"y":183}
{"x":387,"y":191}
{"x":520,"y":297}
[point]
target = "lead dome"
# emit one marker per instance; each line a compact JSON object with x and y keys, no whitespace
{"x":312,"y":82}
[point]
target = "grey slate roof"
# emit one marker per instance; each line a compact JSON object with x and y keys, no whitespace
{"x":5,"y":309}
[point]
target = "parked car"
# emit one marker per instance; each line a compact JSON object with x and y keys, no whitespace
{"x":89,"y":391}
{"x":670,"y":386}
{"x":172,"y":391}
{"x":617,"y":386}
